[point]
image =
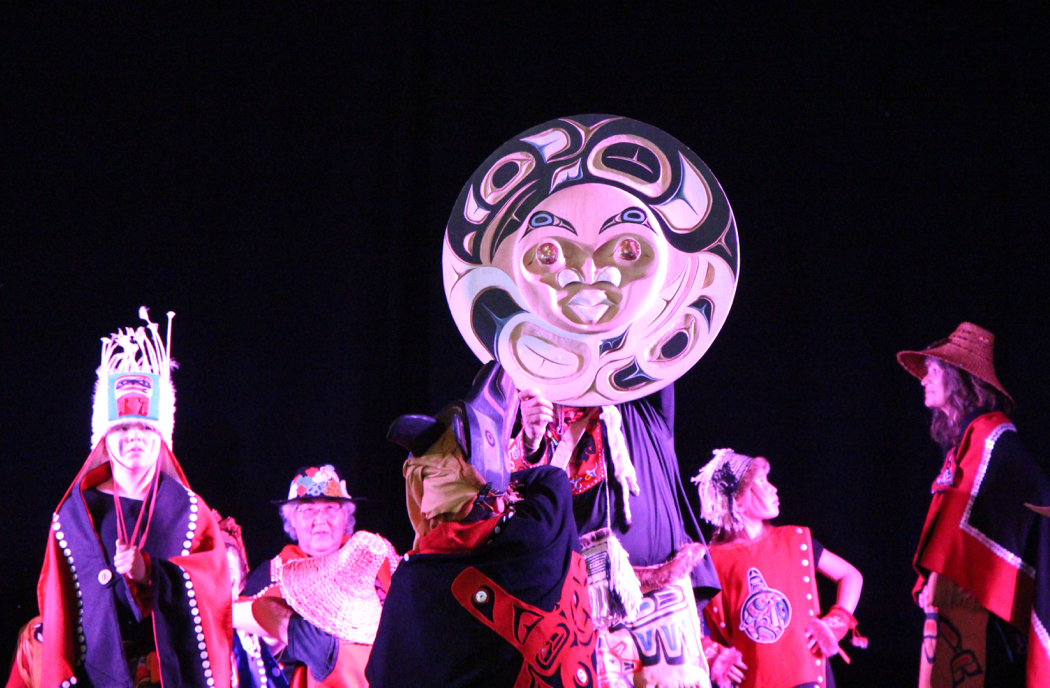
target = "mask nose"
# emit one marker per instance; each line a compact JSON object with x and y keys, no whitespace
{"x":589,"y":270}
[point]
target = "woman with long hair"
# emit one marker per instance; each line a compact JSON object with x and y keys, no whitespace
{"x":983,"y":559}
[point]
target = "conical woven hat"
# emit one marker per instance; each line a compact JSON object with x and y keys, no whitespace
{"x":970,"y":348}
{"x":337,"y":592}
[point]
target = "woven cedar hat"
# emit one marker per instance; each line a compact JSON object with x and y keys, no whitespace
{"x":970,"y":348}
{"x":337,"y":592}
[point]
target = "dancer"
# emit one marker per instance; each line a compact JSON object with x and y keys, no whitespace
{"x":765,"y":625}
{"x":595,"y":257}
{"x":26,"y":668}
{"x":492,"y":594}
{"x":627,"y":494}
{"x":253,"y":665}
{"x":134,"y":590}
{"x":318,"y":601}
{"x":983,"y":558}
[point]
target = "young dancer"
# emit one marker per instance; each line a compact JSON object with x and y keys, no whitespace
{"x":766,"y":627}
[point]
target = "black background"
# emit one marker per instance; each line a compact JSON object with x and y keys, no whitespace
{"x":280,"y":176}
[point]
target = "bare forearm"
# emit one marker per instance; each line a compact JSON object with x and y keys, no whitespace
{"x":849,"y":580}
{"x":849,"y":591}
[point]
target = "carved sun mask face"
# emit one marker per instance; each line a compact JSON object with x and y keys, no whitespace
{"x":595,"y":257}
{"x":588,"y":258}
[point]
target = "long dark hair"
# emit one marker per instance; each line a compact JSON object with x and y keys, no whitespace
{"x":965,"y":394}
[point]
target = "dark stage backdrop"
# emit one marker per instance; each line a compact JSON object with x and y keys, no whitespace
{"x":281,"y":177}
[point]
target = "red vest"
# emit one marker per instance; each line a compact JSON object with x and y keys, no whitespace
{"x":769,"y":594}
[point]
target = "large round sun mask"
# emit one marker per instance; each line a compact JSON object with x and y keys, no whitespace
{"x":581,"y":269}
{"x":595,"y":257}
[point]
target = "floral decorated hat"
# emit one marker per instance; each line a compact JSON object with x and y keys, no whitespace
{"x":318,"y":482}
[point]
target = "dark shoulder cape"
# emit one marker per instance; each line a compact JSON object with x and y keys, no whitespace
{"x":514,"y":606}
{"x":190,"y":592}
{"x":979,"y":534}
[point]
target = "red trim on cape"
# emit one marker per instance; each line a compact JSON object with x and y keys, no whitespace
{"x":209,"y":571}
{"x":56,"y":598}
{"x":554,"y":645}
{"x":292,"y":552}
{"x":15,"y":679}
{"x":999,"y":586}
{"x":453,"y":537}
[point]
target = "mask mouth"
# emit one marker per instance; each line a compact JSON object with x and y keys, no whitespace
{"x":549,"y":356}
{"x":589,"y":305}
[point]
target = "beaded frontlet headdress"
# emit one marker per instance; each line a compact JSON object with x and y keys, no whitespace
{"x":718,"y":483}
{"x":134,"y":381}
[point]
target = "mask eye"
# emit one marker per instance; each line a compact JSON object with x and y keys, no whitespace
{"x":541,"y":219}
{"x":634,"y":215}
{"x":629,"y":249}
{"x":547,"y":253}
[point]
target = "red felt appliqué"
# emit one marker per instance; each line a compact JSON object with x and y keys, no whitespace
{"x":557,"y":646}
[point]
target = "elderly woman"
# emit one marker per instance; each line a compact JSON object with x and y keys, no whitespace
{"x":320,"y":599}
{"x":983,"y":558}
{"x":308,"y":499}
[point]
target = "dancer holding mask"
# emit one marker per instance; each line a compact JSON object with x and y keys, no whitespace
{"x":595,"y":257}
